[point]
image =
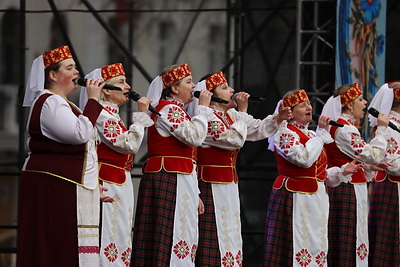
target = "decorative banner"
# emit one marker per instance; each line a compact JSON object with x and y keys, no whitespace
{"x":360,"y":44}
{"x":360,"y":47}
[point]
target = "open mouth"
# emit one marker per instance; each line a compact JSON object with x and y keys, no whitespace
{"x":75,"y":81}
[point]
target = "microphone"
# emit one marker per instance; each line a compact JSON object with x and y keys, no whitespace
{"x":82,"y":82}
{"x":213,"y":98}
{"x":315,"y":117}
{"x":135,"y":97}
{"x":251,"y":98}
{"x":375,"y":113}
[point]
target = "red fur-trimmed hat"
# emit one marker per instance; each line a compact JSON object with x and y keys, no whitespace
{"x":56,"y":55}
{"x":350,"y":94}
{"x":295,"y":99}
{"x":175,"y":75}
{"x":111,"y":71}
{"x":214,"y":80}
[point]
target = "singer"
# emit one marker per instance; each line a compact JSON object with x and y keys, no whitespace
{"x":216,"y":161}
{"x":59,"y":195}
{"x":383,"y":217}
{"x":168,"y":201}
{"x":292,"y":230}
{"x":115,"y":155}
{"x":348,"y":200}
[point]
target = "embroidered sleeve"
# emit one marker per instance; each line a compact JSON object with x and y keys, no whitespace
{"x":114,"y":133}
{"x":219,"y":135}
{"x":393,"y":153}
{"x":256,"y":129}
{"x":175,"y":121}
{"x":350,"y":142}
{"x":287,"y":143}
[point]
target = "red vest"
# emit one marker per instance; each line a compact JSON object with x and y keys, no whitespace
{"x":60,"y":160}
{"x":112,"y":165}
{"x":167,"y":153}
{"x":381,"y":176}
{"x":217,"y":165}
{"x":337,"y":158}
{"x":299,"y":179}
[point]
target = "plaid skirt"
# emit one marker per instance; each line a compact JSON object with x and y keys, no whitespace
{"x":342,"y":225}
{"x":278,"y":249}
{"x":384,"y":224}
{"x":208,"y":253}
{"x":155,"y":222}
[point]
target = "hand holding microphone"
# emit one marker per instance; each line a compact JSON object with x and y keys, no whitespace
{"x":382,"y":121}
{"x":251,"y":98}
{"x":213,"y":98}
{"x":315,"y":117}
{"x":82,"y":82}
{"x":135,"y":97}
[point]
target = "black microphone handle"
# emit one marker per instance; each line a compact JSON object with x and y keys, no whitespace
{"x":135,"y":97}
{"x":213,"y":98}
{"x":375,"y":113}
{"x":82,"y":82}
{"x":251,"y":98}
{"x":315,"y":117}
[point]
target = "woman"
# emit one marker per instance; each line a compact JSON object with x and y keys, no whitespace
{"x":59,"y":193}
{"x":115,"y":152}
{"x":348,"y":225}
{"x":166,"y":222}
{"x":383,"y":219}
{"x":220,"y":239}
{"x":297,"y":216}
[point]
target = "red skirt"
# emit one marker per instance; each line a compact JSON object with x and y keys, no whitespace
{"x":47,"y":222}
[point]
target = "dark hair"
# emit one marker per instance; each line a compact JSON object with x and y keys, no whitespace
{"x":47,"y":70}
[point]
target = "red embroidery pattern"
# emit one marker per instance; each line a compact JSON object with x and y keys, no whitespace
{"x":175,"y":116}
{"x":303,"y":257}
{"x":357,"y":143}
{"x":193,"y":253}
{"x":111,"y":109}
{"x":111,"y":252}
{"x":215,"y":128}
{"x":286,"y":141}
{"x":392,"y":147}
{"x":89,"y":249}
{"x":126,"y":256}
{"x":362,"y":251}
{"x":321,"y":259}
{"x":112,"y":130}
{"x":228,"y":260}
{"x":239,"y":258}
{"x":181,"y":249}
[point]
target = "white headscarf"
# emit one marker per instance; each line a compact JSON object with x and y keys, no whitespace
{"x":83,"y":98}
{"x":191,"y":107}
{"x":155,"y":90}
{"x":271,"y":139}
{"x":332,"y":108}
{"x":35,"y":84}
{"x":382,"y":102}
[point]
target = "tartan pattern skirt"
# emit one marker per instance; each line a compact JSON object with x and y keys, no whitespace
{"x":154,"y":224}
{"x":384,"y":224}
{"x":342,"y":225}
{"x":278,"y":249}
{"x":208,"y":253}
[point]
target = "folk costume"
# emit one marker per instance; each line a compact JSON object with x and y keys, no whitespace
{"x":297,"y":215}
{"x":59,"y":194}
{"x":348,"y":214}
{"x":166,"y":221}
{"x":383,"y":219}
{"x":220,"y":239}
{"x":115,"y":153}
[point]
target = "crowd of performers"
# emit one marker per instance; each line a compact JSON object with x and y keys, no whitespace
{"x":335,"y":201}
